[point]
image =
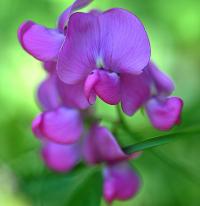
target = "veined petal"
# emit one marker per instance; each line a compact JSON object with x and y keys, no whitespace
{"x":135,"y":91}
{"x":164,"y":85}
{"x":62,"y":126}
{"x":116,"y":37}
{"x":42,"y":43}
{"x":47,"y":93}
{"x":101,"y":146}
{"x":125,"y":46}
{"x":64,"y":17}
{"x":164,"y":114}
{"x":105,"y":85}
{"x":121,"y":182}
{"x":59,"y":157}
{"x":77,"y":57}
{"x":73,"y":95}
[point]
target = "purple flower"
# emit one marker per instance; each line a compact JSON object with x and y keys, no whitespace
{"x":109,"y":54}
{"x":60,"y":157}
{"x":151,"y":89}
{"x":53,"y":93}
{"x":61,"y":125}
{"x":60,"y":132}
{"x":44,"y":43}
{"x":100,"y":49}
{"x":120,"y":180}
{"x":90,"y":55}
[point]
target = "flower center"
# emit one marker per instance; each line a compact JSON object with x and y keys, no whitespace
{"x":100,"y":63}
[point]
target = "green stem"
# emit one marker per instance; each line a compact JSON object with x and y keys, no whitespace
{"x":157,"y":141}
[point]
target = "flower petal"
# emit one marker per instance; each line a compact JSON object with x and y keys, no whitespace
{"x":104,"y":84}
{"x":64,"y":17}
{"x":101,"y":146}
{"x":60,"y":158}
{"x":62,"y":125}
{"x":164,"y":114}
{"x":163,"y":83}
{"x":121,"y":182}
{"x":36,"y":127}
{"x":42,"y":43}
{"x":50,"y":66}
{"x":90,"y":83}
{"x":77,"y":57}
{"x":135,"y":91}
{"x":73,"y":95}
{"x":47,"y":93}
{"x":125,"y":45}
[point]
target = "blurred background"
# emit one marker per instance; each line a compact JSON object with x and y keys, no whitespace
{"x":170,"y":173}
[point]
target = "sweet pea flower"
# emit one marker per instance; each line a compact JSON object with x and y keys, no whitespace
{"x":101,"y":50}
{"x":44,"y":43}
{"x":59,"y":127}
{"x":121,"y":182}
{"x":152,"y":89}
{"x":110,"y":53}
{"x":53,"y":93}
{"x":60,"y":157}
{"x":59,"y":131}
{"x":62,"y":125}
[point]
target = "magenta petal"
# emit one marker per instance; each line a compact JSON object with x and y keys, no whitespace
{"x":48,"y":94}
{"x":89,"y":87}
{"x":77,"y":57}
{"x":50,"y":66}
{"x":101,"y":146}
{"x":124,"y":42}
{"x":104,"y":84}
{"x":62,"y":125}
{"x":36,"y":127}
{"x":135,"y":91}
{"x":60,"y":158}
{"x":64,"y":17}
{"x":42,"y":43}
{"x":164,"y":114}
{"x":163,"y":83}
{"x":121,"y":182}
{"x":73,"y":95}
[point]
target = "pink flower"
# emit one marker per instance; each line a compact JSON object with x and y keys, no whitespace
{"x":121,"y":182}
{"x":53,"y":93}
{"x":44,"y":43}
{"x":61,"y":125}
{"x":60,"y":131}
{"x":60,"y":157}
{"x":151,"y":89}
{"x":100,"y":49}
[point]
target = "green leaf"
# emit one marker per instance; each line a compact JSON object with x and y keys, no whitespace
{"x":78,"y":188}
{"x":88,"y":191}
{"x":160,"y":140}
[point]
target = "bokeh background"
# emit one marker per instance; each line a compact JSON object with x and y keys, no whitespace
{"x":170,"y":173}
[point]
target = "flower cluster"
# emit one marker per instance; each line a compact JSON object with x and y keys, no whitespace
{"x":90,"y":55}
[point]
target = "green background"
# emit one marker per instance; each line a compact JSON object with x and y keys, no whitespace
{"x":170,"y":174}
